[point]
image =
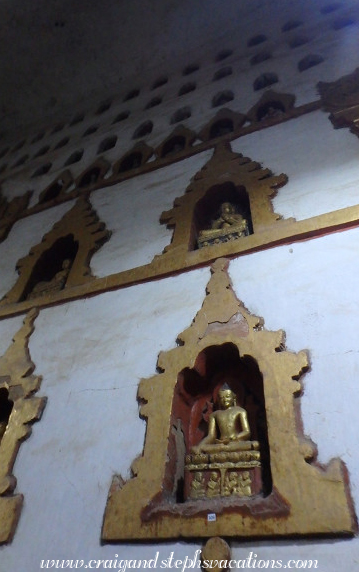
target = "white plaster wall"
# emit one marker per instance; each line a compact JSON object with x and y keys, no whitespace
{"x":92,"y":354}
{"x":25,"y":234}
{"x":321,"y":164}
{"x":131,"y":210}
{"x":8,"y":329}
{"x":90,"y":378}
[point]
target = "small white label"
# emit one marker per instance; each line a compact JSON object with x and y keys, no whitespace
{"x":211,"y":517}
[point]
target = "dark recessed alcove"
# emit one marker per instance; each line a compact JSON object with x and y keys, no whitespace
{"x":131,"y":161}
{"x":104,"y":107}
{"x":191,"y":68}
{"x":62,"y":143}
{"x":222,"y":97}
{"x":180,"y":115}
{"x":187,"y":88}
{"x":132,"y":94}
{"x":77,"y":119}
{"x":121,"y":116}
{"x":21,"y":161}
{"x":75,"y":157}
{"x":107,"y":144}
{"x":270,"y":109}
{"x":173,"y":145}
{"x":51,"y":262}
{"x":42,"y":170}
{"x":159,"y":82}
{"x":144,"y":129}
{"x":90,"y":130}
{"x":223,"y":72}
{"x":221,"y":127}
{"x":52,"y":192}
{"x":90,"y":177}
{"x":154,"y":102}
{"x":6,"y":406}
{"x":223,"y":54}
{"x":265,"y":80}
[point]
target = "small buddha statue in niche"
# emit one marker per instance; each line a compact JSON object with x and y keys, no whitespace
{"x":226,"y":458}
{"x":228,"y":427}
{"x":270,"y":111}
{"x":230,"y":225}
{"x":56,"y":284}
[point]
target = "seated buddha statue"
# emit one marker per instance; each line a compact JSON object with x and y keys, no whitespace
{"x":228,"y":427}
{"x":56,"y":284}
{"x":228,"y":226}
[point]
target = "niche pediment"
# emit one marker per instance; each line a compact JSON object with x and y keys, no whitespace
{"x":19,"y":408}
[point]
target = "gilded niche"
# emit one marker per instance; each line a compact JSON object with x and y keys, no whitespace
{"x":272,"y":105}
{"x":228,"y":200}
{"x":224,"y":438}
{"x":10,"y":211}
{"x":19,"y":408}
{"x":180,"y":140}
{"x":224,"y":122}
{"x":61,"y":259}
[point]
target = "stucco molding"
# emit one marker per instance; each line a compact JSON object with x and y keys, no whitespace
{"x":18,"y":380}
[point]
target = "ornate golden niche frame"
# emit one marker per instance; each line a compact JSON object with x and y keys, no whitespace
{"x":224,"y":167}
{"x":341,"y":99}
{"x":305,"y":498}
{"x":83,"y":225}
{"x":285,"y":100}
{"x":16,"y":376}
{"x":224,"y":114}
{"x":101,"y":166}
{"x":142,"y":149}
{"x":180,"y":133}
{"x":55,"y":193}
{"x":10,"y":211}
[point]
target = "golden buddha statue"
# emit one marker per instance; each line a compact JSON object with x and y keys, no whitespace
{"x":56,"y":284}
{"x":226,"y":458}
{"x":230,"y":225}
{"x":228,"y":427}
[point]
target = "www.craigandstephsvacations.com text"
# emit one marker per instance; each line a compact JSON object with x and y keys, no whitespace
{"x":252,"y":561}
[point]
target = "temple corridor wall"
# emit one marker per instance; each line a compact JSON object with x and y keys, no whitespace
{"x":93,"y":350}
